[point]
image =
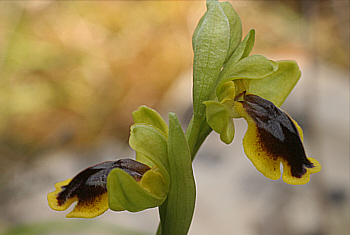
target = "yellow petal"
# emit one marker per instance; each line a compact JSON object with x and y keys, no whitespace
{"x":289,"y":179}
{"x":273,"y":137}
{"x":85,"y":208}
{"x":264,"y":161}
{"x":88,"y":188}
{"x":52,"y":197}
{"x":91,"y":208}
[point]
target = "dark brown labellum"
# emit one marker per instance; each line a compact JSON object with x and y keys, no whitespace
{"x":92,"y":182}
{"x":277,"y":133}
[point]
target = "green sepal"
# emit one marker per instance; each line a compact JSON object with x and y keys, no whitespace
{"x":151,"y":117}
{"x":251,"y":67}
{"x":177,"y":211}
{"x":235,"y":28}
{"x":211,"y":44}
{"x":152,"y":144}
{"x":125,"y":192}
{"x":277,"y":86}
{"x":218,"y":118}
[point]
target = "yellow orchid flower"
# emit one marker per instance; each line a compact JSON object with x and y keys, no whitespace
{"x":273,"y":137}
{"x":89,"y":188}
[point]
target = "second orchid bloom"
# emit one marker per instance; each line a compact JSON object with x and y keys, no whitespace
{"x":124,"y":184}
{"x":272,"y":137}
{"x":160,"y":176}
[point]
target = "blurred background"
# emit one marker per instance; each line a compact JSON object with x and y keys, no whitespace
{"x":71,"y":73}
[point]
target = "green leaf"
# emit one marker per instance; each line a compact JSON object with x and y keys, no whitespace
{"x":277,"y":86}
{"x":235,"y":27}
{"x":151,"y":117}
{"x":210,"y":50}
{"x":219,"y":120}
{"x":177,"y":211}
{"x":151,"y":143}
{"x":251,"y":67}
{"x":123,"y":190}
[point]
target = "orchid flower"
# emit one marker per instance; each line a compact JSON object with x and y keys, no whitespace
{"x":254,"y":88}
{"x":160,"y":176}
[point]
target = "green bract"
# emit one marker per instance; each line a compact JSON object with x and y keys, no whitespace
{"x":211,"y":42}
{"x":177,"y":211}
{"x":215,"y":40}
{"x":235,"y":27}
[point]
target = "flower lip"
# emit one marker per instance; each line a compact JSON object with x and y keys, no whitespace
{"x":278,"y":136}
{"x":91,"y":182}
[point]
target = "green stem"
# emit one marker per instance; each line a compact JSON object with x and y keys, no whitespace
{"x":196,"y":133}
{"x":204,"y":132}
{"x":192,"y":133}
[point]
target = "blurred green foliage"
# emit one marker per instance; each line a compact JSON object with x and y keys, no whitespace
{"x":72,"y":72}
